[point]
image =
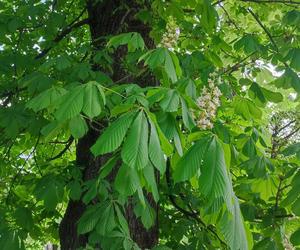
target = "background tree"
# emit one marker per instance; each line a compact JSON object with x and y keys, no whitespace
{"x":149,"y":124}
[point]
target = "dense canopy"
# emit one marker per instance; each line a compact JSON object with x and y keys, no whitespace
{"x":163,"y":124}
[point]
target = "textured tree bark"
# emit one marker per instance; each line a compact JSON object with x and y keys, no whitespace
{"x":108,"y":17}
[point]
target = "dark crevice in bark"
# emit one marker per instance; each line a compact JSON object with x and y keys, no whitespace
{"x":106,"y":18}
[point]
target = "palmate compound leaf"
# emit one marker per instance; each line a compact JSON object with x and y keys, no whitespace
{"x":88,"y":98}
{"x":135,"y":149}
{"x":113,"y":136}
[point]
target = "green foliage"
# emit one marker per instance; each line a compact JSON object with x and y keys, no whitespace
{"x":128,"y":101}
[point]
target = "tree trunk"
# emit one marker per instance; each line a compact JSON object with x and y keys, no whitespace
{"x":108,"y":17}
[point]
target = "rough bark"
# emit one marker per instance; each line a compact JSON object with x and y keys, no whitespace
{"x":108,"y":17}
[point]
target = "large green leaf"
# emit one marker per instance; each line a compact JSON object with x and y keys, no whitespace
{"x":214,"y":181}
{"x":89,"y":220}
{"x":127,"y":181}
{"x":156,"y":154}
{"x":192,"y":160}
{"x":46,"y":98}
{"x":170,"y":102}
{"x":135,"y":149}
{"x":113,"y":136}
{"x":70,"y":104}
{"x":233,"y":229}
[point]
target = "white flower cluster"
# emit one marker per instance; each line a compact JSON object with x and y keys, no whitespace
{"x":170,"y":37}
{"x":208,"y":102}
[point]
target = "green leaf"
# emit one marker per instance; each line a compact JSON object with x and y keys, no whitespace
{"x":75,"y":190}
{"x":45,"y":99}
{"x":93,"y":100}
{"x":246,"y":108}
{"x":146,"y":213}
{"x":78,"y":127}
{"x":214,"y":181}
{"x":169,"y":66}
{"x":191,"y":162}
{"x":156,"y":154}
{"x":24,"y":218}
{"x":232,"y":226}
{"x":292,"y":18}
{"x":163,"y":58}
{"x":208,"y":15}
{"x":135,"y":149}
{"x":186,"y":116}
{"x":133,"y":39}
{"x":107,"y":220}
{"x":62,"y":63}
{"x":170,"y":102}
{"x":71,"y":104}
{"x":88,"y":220}
{"x":165,"y":144}
{"x":295,"y":238}
{"x":150,"y":178}
{"x":50,"y":190}
{"x":127,"y":181}
{"x":113,"y":136}
{"x":288,"y":80}
{"x":294,"y":57}
{"x":249,"y":43}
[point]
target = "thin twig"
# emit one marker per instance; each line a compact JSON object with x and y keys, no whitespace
{"x":68,"y":145}
{"x":264,"y":28}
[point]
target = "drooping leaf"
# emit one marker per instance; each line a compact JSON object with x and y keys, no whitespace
{"x":135,"y":149}
{"x":113,"y":136}
{"x":191,"y":161}
{"x":233,"y":229}
{"x":214,"y":181}
{"x":156,"y":154}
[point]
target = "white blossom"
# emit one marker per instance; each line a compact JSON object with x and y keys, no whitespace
{"x":170,"y":37}
{"x":208,"y":102}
